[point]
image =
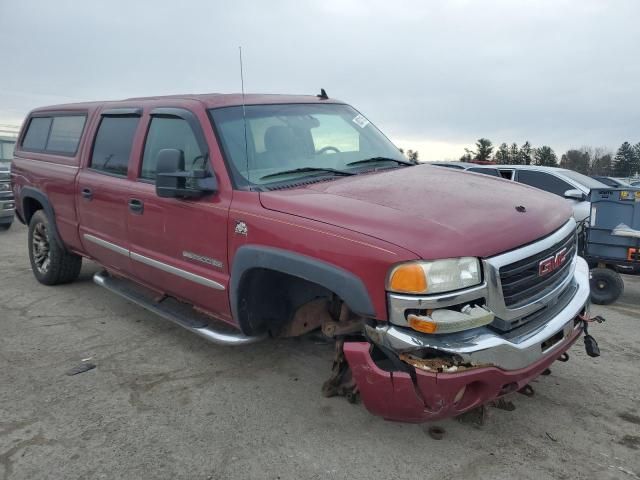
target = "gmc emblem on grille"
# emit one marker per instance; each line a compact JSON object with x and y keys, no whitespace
{"x":550,"y":264}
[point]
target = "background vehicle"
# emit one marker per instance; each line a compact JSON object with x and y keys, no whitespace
{"x":239,"y":217}
{"x":469,"y":167}
{"x":612,"y":182}
{"x":570,"y":185}
{"x":7,"y":142}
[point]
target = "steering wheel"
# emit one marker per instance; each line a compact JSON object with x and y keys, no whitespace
{"x":326,"y":149}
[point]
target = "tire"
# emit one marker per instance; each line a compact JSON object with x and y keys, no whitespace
{"x":5,"y":226}
{"x":50,"y":263}
{"x":606,"y":286}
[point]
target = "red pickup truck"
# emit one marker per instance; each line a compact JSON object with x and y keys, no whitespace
{"x":243,"y":217}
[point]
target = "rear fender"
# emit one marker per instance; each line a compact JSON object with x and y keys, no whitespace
{"x":35,"y":194}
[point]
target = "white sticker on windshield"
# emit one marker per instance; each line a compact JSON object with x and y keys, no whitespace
{"x":361,"y":121}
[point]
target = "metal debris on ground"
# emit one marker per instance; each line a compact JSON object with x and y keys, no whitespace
{"x":83,"y":367}
{"x":341,"y":383}
{"x":476,"y":417}
{"x":527,"y":391}
{"x":550,"y":437}
{"x":503,"y":404}
{"x":436,"y":432}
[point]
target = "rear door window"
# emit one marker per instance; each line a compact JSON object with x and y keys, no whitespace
{"x":37,"y":134}
{"x":486,"y":171}
{"x":508,"y":174}
{"x":543,"y":181}
{"x":113,"y":143}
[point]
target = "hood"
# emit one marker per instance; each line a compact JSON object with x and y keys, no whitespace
{"x":433,"y":212}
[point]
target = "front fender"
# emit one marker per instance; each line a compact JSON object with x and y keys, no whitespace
{"x":346,"y":285}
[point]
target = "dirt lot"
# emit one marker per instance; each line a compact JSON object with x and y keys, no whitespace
{"x":163,"y":403}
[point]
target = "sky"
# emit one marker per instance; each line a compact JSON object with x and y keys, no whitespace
{"x":433,"y":75}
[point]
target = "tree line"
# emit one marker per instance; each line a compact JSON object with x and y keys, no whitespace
{"x":587,"y":160}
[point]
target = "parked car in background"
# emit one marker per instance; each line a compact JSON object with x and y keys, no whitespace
{"x":7,"y":204}
{"x":469,"y":167}
{"x":570,"y":185}
{"x":636,"y":184}
{"x":295,"y":214}
{"x":612,"y":182}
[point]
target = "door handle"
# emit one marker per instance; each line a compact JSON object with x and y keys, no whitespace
{"x":136,"y":206}
{"x":87,"y":193}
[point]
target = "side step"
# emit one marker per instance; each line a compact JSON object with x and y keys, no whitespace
{"x":175,"y":311}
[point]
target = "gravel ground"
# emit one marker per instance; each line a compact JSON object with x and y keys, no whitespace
{"x":163,"y":403}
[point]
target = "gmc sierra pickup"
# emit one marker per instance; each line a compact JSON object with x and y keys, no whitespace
{"x":243,"y":217}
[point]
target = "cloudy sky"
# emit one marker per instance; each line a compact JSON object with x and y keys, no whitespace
{"x":433,"y":75}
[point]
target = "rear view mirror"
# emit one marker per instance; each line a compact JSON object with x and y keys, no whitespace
{"x":575,"y":194}
{"x":173,"y":182}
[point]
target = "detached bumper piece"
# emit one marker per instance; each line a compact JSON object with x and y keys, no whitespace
{"x":395,"y":395}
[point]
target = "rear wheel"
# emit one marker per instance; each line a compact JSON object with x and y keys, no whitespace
{"x":50,"y":263}
{"x":606,"y":286}
{"x":5,"y":226}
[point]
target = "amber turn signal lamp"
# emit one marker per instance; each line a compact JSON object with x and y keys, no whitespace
{"x":422,"y":325}
{"x":408,"y":278}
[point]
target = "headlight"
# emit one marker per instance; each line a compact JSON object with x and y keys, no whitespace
{"x":435,"y":277}
{"x":5,"y":187}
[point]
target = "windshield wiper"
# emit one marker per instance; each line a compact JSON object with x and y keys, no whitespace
{"x":307,"y":169}
{"x":380,"y":159}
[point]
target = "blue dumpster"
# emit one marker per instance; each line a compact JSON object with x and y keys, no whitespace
{"x":612,"y":240}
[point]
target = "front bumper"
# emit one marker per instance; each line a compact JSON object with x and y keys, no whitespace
{"x":7,"y":210}
{"x":496,"y":364}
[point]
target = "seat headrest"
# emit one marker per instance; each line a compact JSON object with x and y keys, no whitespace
{"x":279,"y":138}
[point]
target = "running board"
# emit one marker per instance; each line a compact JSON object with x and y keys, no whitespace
{"x":174,"y":311}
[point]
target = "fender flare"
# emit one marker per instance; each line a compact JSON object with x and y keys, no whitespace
{"x":346,"y":285}
{"x":30,"y":192}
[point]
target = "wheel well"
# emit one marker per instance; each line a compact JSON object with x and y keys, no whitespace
{"x":268,"y":299}
{"x":29,"y":207}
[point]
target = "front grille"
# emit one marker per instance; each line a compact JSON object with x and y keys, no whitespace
{"x":521,"y":280}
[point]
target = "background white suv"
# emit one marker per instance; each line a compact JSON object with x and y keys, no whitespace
{"x":572,"y":186}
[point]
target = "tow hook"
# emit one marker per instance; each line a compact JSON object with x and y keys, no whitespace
{"x":590,"y":344}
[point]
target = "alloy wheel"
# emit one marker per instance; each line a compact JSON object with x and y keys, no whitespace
{"x":41,"y":248}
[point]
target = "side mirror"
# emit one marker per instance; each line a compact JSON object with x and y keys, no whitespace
{"x":575,"y":194}
{"x":173,"y":182}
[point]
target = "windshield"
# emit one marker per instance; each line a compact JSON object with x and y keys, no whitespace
{"x":288,"y":142}
{"x":621,"y":183}
{"x":588,"y":182}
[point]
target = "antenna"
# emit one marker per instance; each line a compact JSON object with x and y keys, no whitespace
{"x":244,"y":117}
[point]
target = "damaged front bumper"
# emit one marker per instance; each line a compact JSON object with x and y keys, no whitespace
{"x":476,"y":366}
